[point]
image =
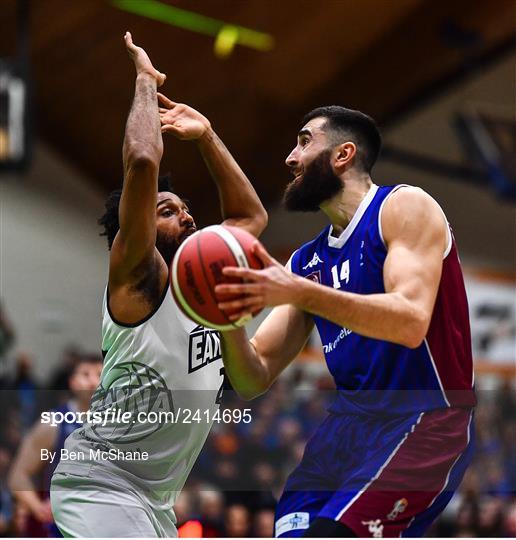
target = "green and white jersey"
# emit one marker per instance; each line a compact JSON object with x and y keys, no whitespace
{"x":160,"y":388}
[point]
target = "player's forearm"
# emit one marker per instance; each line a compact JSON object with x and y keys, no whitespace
{"x":238,"y":199}
{"x":387,"y":316}
{"x":247,"y":374}
{"x":143,"y":143}
{"x":22,"y":487}
{"x":143,"y":147}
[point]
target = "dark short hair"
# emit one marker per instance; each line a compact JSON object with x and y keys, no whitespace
{"x":85,"y":359}
{"x":347,"y":124}
{"x":110,"y":218}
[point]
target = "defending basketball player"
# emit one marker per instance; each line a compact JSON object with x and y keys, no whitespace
{"x":123,"y":473}
{"x":384,"y":287}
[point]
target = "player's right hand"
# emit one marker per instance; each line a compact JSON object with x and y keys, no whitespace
{"x":269,"y":287}
{"x":142,"y":61}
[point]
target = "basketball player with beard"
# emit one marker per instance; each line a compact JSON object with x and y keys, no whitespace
{"x":119,"y":476}
{"x":384,"y":286}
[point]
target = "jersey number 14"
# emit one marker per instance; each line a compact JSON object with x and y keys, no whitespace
{"x":342,"y":276}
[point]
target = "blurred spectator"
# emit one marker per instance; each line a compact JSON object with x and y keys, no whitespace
{"x":187,"y":527}
{"x":26,"y":388}
{"x":29,"y":462}
{"x":467,"y":516}
{"x":263,"y":524}
{"x":237,"y":522}
{"x":58,"y":381}
{"x":7,"y":337}
{"x":211,"y":511}
{"x":12,"y":432}
{"x":490,"y":519}
{"x":510,"y":521}
{"x":5,"y":497}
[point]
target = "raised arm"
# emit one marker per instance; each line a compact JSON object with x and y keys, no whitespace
{"x":415,"y":233}
{"x":142,"y":151}
{"x":239,"y":202}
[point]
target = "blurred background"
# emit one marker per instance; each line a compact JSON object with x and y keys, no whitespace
{"x":438,"y":77}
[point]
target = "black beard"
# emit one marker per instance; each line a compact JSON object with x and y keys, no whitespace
{"x":318,"y":184}
{"x":167,"y":246}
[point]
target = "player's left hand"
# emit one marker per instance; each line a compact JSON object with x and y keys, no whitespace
{"x":272,"y":286}
{"x":142,"y":61}
{"x":181,"y":120}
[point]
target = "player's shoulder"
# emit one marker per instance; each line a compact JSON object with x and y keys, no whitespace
{"x":409,"y":199}
{"x":410,"y":204}
{"x":410,"y":210}
{"x":308,"y":249}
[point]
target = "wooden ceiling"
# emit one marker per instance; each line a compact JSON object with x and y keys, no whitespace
{"x":375,"y":55}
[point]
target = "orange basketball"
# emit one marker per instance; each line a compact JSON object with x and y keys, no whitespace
{"x":197,"y":269}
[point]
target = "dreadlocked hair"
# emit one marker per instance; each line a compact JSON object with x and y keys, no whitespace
{"x":109,"y":221}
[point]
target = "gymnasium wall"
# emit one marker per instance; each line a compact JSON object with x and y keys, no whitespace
{"x":53,"y":264}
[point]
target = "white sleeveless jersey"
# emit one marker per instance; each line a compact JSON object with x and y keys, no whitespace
{"x":166,"y":375}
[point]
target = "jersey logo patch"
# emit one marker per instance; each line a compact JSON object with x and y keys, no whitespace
{"x":292,"y":522}
{"x":332,"y":345}
{"x":314,"y":276}
{"x":398,"y":508}
{"x":203,"y":349}
{"x":314,"y":262}
{"x":375,"y":527}
{"x":136,"y":388}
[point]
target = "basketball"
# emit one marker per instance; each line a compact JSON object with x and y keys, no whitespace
{"x":197,"y":269}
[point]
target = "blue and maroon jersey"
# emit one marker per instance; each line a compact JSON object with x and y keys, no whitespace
{"x":373,"y":376}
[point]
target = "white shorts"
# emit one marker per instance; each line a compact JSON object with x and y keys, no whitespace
{"x":91,"y":510}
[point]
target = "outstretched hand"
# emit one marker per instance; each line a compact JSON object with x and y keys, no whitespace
{"x":182,"y":121}
{"x":272,"y":286}
{"x":142,"y":61}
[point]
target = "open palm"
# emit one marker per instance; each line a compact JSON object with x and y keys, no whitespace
{"x":182,"y":121}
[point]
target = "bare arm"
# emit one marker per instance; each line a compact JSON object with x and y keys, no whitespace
{"x":239,"y":202}
{"x":415,"y":233}
{"x":142,"y":151}
{"x":252,"y":366}
{"x":27,"y":464}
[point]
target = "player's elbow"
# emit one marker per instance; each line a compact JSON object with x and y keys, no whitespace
{"x":248,"y":394}
{"x":260,"y":221}
{"x":253,"y":222}
{"x":251,"y":391}
{"x":415,"y":331}
{"x":412,"y":342}
{"x":142,"y":156}
{"x":263,"y":219}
